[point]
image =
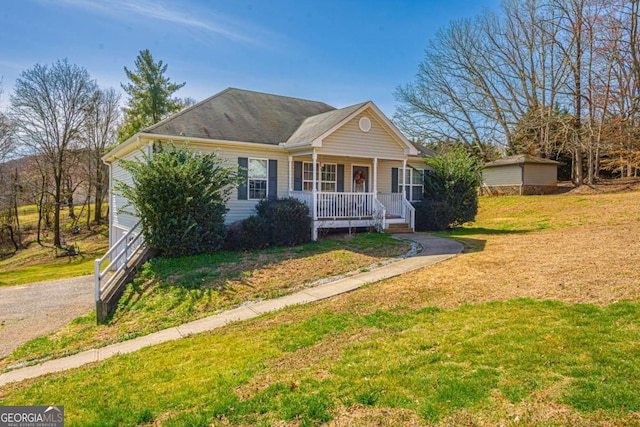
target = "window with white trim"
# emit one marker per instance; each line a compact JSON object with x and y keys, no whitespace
{"x":257,"y":175}
{"x":415,"y":184}
{"x":327,"y":176}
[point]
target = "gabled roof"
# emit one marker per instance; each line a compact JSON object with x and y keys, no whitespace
{"x":521,"y":159}
{"x":314,"y":126}
{"x":242,"y":115}
{"x":422,"y":150}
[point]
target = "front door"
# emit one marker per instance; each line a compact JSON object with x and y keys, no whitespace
{"x":360,"y":179}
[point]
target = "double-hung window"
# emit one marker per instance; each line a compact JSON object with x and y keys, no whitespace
{"x":414,"y":187}
{"x":326,"y":175}
{"x":258,"y":178}
{"x":329,"y":177}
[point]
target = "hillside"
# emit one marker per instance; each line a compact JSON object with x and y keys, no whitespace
{"x":536,"y":324}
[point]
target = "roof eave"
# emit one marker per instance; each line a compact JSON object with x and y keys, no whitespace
{"x":121,"y":149}
{"x":410,"y":150}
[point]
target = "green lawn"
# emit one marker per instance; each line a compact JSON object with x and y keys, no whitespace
{"x":36,"y":263}
{"x":310,"y":363}
{"x":169,"y":292}
{"x":536,"y":325}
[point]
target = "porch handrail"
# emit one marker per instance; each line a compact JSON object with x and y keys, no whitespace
{"x":392,"y":203}
{"x":409,"y":213}
{"x":131,"y":246}
{"x":380,"y":215}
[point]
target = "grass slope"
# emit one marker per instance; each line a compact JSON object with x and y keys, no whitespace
{"x":169,"y":292}
{"x":536,"y":325}
{"x":36,"y":263}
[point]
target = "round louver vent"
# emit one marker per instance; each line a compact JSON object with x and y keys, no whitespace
{"x":365,"y":124}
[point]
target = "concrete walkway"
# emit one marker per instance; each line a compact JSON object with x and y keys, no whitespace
{"x":434,"y":250}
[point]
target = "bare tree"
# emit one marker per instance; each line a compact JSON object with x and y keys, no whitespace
{"x":49,"y":107}
{"x":6,"y":134}
{"x":545,"y":77}
{"x":481,"y":78}
{"x":100,"y":132}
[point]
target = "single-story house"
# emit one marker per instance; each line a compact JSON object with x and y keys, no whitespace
{"x":351,"y":165}
{"x":521,"y":174}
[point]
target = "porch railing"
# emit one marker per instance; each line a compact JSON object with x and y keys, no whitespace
{"x":119,"y":256}
{"x":409,"y":213}
{"x":334,"y":205}
{"x":392,"y":203}
{"x":344,"y":205}
{"x":380,"y":216}
{"x":303,"y":196}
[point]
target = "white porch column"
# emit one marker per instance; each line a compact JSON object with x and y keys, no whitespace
{"x":290,"y":174}
{"x":404,"y":177}
{"x":314,"y":158}
{"x":375,"y":177}
{"x":314,"y":198}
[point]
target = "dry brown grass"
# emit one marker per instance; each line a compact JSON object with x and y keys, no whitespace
{"x":588,"y":254}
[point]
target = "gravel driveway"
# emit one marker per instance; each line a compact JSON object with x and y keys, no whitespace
{"x":30,"y":311}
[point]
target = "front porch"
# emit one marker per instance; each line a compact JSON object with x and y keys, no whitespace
{"x":343,"y":210}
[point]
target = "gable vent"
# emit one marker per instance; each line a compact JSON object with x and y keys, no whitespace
{"x":364,"y":124}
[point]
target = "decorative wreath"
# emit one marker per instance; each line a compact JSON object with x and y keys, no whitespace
{"x":360,"y":177}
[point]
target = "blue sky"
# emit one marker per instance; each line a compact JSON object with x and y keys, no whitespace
{"x":338,"y":52}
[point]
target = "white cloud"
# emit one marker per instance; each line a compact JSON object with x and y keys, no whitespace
{"x":160,"y":11}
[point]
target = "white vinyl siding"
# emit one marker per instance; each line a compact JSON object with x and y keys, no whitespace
{"x":539,"y":174}
{"x":349,"y":140}
{"x":238,"y":209}
{"x":120,"y":219}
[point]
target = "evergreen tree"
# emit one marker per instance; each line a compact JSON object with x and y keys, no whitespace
{"x":150,"y":95}
{"x":451,"y":191}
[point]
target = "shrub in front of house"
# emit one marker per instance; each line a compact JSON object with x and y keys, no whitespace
{"x":281,"y":222}
{"x":180,"y":196}
{"x":247,"y":234}
{"x":451,"y":191}
{"x":287,"y":220}
{"x":432,"y":215}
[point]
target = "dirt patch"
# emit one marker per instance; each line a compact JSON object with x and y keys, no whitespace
{"x":602,"y":186}
{"x":363,"y":416}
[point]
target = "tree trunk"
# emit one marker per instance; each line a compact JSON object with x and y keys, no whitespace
{"x":590,"y":163}
{"x":578,"y":174}
{"x":40,"y":209}
{"x":13,"y":240}
{"x":98,"y":200}
{"x":72,"y":207}
{"x":16,"y":189}
{"x":88,"y":201}
{"x":56,"y":209}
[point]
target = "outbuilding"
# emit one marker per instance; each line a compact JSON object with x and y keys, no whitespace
{"x":520,"y":174}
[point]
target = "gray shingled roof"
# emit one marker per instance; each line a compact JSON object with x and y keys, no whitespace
{"x":521,"y":159}
{"x":315,"y":126}
{"x":422,"y":150}
{"x":242,"y":115}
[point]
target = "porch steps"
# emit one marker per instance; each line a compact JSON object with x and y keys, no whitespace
{"x":398,"y":227}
